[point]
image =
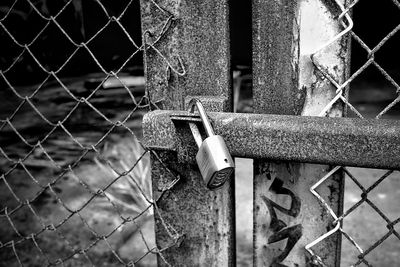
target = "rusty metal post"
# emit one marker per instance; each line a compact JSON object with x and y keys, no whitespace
{"x":286,"y":215}
{"x":187,"y":54}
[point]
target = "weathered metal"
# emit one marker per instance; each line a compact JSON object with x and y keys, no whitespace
{"x":275,"y":58}
{"x":337,"y":141}
{"x":192,"y":59}
{"x":192,"y":222}
{"x":286,"y":34}
{"x":196,"y":47}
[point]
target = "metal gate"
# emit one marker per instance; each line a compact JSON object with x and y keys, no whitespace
{"x":301,"y":66}
{"x":74,"y":179}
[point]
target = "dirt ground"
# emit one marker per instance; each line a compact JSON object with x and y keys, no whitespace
{"x":83,"y":230}
{"x":74,"y":190}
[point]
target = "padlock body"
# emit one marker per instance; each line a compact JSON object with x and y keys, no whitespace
{"x":215,"y":162}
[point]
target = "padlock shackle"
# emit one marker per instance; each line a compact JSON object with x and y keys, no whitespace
{"x":206,"y":123}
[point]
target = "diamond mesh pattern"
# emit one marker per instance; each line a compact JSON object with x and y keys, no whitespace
{"x":74,"y":186}
{"x":372,"y":61}
{"x":74,"y":177}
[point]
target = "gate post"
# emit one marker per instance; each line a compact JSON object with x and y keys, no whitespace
{"x":287,"y":216}
{"x":187,"y":54}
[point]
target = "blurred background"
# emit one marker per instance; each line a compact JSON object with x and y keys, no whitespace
{"x":75,"y":187}
{"x":370,"y":92}
{"x":56,"y":52}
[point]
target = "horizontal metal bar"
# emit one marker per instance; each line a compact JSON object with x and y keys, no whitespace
{"x":336,"y":141}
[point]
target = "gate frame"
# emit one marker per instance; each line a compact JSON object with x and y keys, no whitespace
{"x":194,"y":226}
{"x":285,"y":81}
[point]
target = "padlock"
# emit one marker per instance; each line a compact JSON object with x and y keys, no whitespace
{"x":213,"y":158}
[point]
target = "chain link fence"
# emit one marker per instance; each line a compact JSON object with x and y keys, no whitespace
{"x":75,"y":185}
{"x":74,"y":177}
{"x":368,"y":225}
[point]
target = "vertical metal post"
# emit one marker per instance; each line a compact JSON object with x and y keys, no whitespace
{"x":191,"y":58}
{"x":287,"y":216}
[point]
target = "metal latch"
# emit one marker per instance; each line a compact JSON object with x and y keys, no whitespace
{"x":336,"y":141}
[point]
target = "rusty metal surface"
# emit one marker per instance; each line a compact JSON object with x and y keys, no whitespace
{"x":286,"y":81}
{"x":196,"y":214}
{"x":191,"y":60}
{"x":196,"y":45}
{"x":275,"y":58}
{"x":210,"y":103}
{"x":338,"y":141}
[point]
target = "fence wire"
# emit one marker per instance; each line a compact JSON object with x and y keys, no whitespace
{"x":74,"y":178}
{"x":371,"y":62}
